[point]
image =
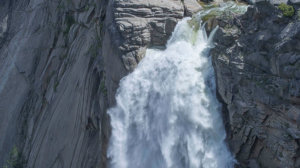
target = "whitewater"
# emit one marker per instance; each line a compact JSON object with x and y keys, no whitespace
{"x":167,"y":114}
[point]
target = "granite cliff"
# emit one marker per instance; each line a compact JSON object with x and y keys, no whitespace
{"x":61,"y":62}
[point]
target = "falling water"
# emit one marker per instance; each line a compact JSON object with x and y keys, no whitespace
{"x":167,"y":114}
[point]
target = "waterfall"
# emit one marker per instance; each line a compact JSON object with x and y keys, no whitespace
{"x":167,"y":114}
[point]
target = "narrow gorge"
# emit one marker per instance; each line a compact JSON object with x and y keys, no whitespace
{"x":152,"y":83}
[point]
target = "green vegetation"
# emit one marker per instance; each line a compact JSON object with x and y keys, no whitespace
{"x":15,"y":159}
{"x":229,"y":8}
{"x":69,"y":19}
{"x":86,"y":8}
{"x":211,"y":15}
{"x":93,"y":52}
{"x":103,"y":88}
{"x":298,"y":14}
{"x":208,"y":5}
{"x":227,"y":11}
{"x":94,"y":49}
{"x":194,"y":23}
{"x":287,"y":10}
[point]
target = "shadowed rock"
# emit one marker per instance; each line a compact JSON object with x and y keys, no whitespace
{"x":256,"y":59}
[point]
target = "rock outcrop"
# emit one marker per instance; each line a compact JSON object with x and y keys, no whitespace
{"x":132,"y":26}
{"x":257,"y":65}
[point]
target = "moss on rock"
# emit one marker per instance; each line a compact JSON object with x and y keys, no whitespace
{"x":287,"y":10}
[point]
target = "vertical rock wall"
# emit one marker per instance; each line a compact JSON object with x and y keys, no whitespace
{"x":52,"y":94}
{"x":257,"y":60}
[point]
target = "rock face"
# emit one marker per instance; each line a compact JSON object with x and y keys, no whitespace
{"x":132,"y":26}
{"x":60,"y":65}
{"x":257,"y":65}
{"x":52,"y":101}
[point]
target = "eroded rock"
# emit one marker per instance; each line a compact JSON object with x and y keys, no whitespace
{"x":133,"y":26}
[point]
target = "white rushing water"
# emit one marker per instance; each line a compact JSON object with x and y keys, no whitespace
{"x":167,"y":114}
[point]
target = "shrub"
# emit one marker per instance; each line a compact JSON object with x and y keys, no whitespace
{"x":287,"y":10}
{"x":298,"y":14}
{"x":15,"y":159}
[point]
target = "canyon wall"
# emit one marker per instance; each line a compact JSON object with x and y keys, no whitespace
{"x":61,"y":62}
{"x":257,"y":65}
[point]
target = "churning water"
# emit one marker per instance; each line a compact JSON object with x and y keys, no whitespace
{"x":167,"y":114}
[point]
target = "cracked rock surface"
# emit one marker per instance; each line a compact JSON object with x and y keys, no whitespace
{"x":257,"y":66}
